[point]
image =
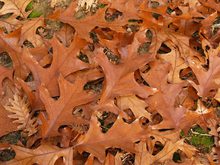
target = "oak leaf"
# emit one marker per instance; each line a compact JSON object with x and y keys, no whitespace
{"x":45,"y":154}
{"x":17,"y":9}
{"x":137,"y":106}
{"x":10,"y":44}
{"x":65,"y":35}
{"x":4,"y":73}
{"x":119,"y":79}
{"x":177,"y":62}
{"x":99,"y":16}
{"x":59,"y":111}
{"x":64,"y":62}
{"x":144,"y":157}
{"x":97,"y":142}
{"x":156,"y":77}
{"x":163,"y":101}
{"x":200,"y":116}
{"x":208,"y":80}
{"x":28,"y":32}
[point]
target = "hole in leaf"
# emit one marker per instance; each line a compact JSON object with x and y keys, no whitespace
{"x":95,"y":85}
{"x":106,"y":120}
{"x":7,"y":154}
{"x":56,"y":97}
{"x":177,"y":156}
{"x":113,"y":151}
{"x":36,"y":144}
{"x":216,"y":26}
{"x":112,"y":14}
{"x":156,"y":15}
{"x":83,"y":57}
{"x":164,"y":49}
{"x":154,"y":4}
{"x":207,"y":48}
{"x":135,"y":21}
{"x":152,"y":138}
{"x":144,"y":48}
{"x":112,"y":57}
{"x":139,"y":78}
{"x":197,"y":19}
{"x":166,"y":129}
{"x":94,"y":37}
{"x":131,"y":28}
{"x":149,"y":34}
{"x":144,"y":121}
{"x":28,"y":44}
{"x":187,"y":74}
{"x":157,"y":148}
{"x":195,"y":34}
{"x":156,"y":118}
{"x":85,"y":154}
{"x":4,"y":16}
{"x":5,"y":60}
{"x":19,"y":18}
{"x":128,"y":158}
{"x":178,"y":11}
{"x":173,"y":27}
{"x":11,"y":138}
{"x":169,"y":10}
{"x":130,"y":115}
{"x":59,"y":161}
{"x":2,"y":4}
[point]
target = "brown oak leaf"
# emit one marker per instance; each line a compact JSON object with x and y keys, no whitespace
{"x":97,"y":142}
{"x":208,"y":80}
{"x":99,"y":16}
{"x":60,"y":112}
{"x":45,"y":154}
{"x":9,"y":43}
{"x":64,"y":62}
{"x":119,"y":78}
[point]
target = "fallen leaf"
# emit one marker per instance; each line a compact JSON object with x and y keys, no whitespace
{"x":45,"y":154}
{"x":59,"y":111}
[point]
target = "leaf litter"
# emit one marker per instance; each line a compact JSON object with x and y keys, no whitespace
{"x":109,"y":82}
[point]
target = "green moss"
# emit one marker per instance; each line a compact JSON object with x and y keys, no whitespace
{"x":35,"y":14}
{"x":29,"y":6}
{"x":39,"y":8}
{"x":200,"y":138}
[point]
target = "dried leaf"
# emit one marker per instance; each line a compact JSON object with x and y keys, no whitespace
{"x":20,"y":113}
{"x":59,"y":111}
{"x":28,"y":32}
{"x":64,"y":62}
{"x":97,"y":142}
{"x":45,"y":154}
{"x":208,"y":80}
